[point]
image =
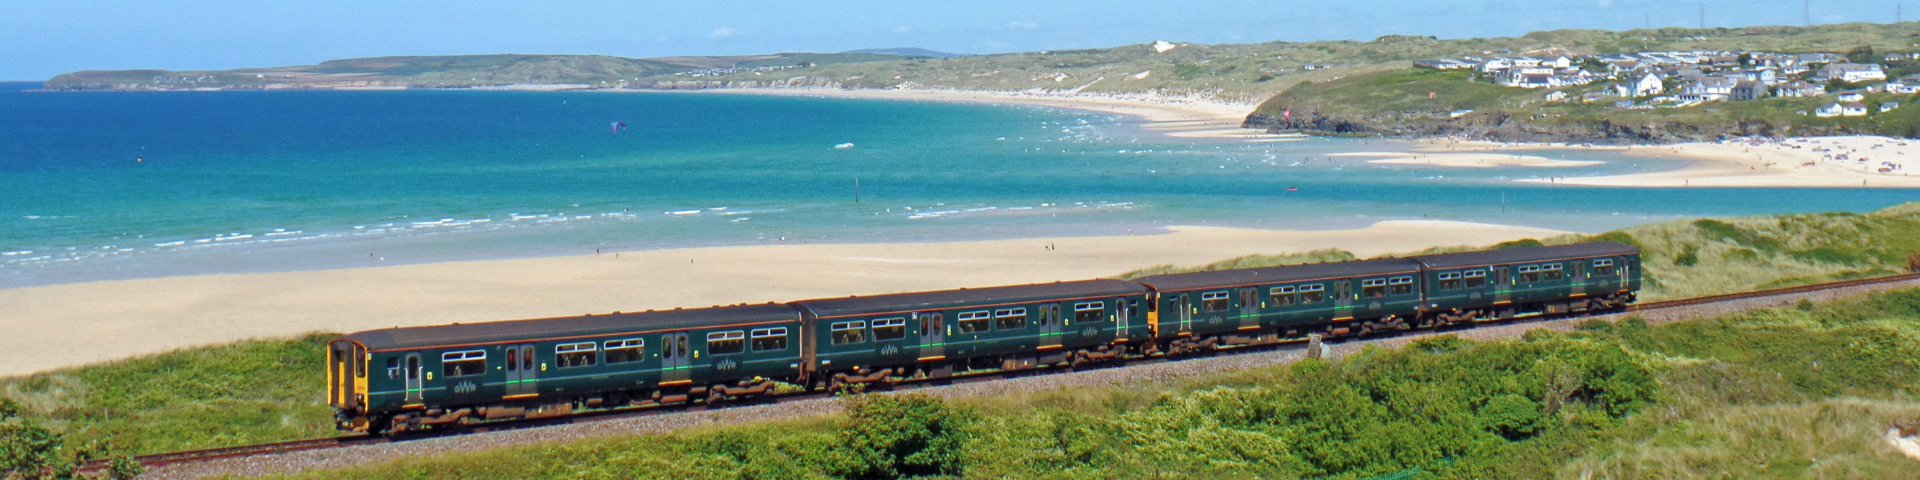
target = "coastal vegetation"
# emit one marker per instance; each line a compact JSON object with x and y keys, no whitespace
{"x":1792,"y":392}
{"x":238,"y":394}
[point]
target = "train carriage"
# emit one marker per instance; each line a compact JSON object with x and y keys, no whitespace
{"x":938,"y":334}
{"x":413,"y":376}
{"x":1234,"y":307}
{"x":1521,"y":282}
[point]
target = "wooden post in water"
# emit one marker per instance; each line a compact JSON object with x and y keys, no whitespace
{"x":856,"y":189}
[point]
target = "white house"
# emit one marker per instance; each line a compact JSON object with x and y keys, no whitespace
{"x":1562,"y":62}
{"x":1888,"y":106}
{"x":1851,"y":72}
{"x":1556,"y":95}
{"x":1828,"y":110}
{"x":1852,"y":96}
{"x":1799,"y":89}
{"x":1855,"y":109}
{"x":1648,"y":84}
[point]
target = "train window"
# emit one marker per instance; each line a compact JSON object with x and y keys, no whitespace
{"x":1399,"y":285}
{"x":767,"y":339}
{"x":975,"y":321}
{"x":624,"y":351}
{"x":1281,"y":296}
{"x":889,"y":329}
{"x":1010,"y":318}
{"x":1550,"y":271}
{"x":1373,"y":287}
{"x":1312,"y":293}
{"x":513,"y":359}
{"x":460,"y":364}
{"x":1449,"y":280}
{"x":413,"y":367}
{"x":569,"y":355}
{"x":849,"y":332}
{"x":723,"y":343}
{"x":1529,"y":273}
{"x":393,"y":367}
{"x":1215,"y":301}
{"x":1603,"y":267}
{"x":1089,"y":311}
{"x":1475,"y":278}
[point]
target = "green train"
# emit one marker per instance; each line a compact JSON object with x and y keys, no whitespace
{"x":402,"y":379}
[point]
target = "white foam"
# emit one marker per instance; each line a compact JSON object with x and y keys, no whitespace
{"x":684,"y":212}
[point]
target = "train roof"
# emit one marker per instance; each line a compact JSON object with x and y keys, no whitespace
{"x":575,"y":326}
{"x":903,"y":302}
{"x":1527,"y":254}
{"x":1290,"y":273}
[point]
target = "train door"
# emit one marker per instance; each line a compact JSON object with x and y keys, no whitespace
{"x":1121,"y":313}
{"x":1050,"y":326}
{"x":1249,"y":309}
{"x":933,"y":336}
{"x":1502,"y":286}
{"x":675,"y":359}
{"x":1343,"y":300}
{"x":522,"y":375}
{"x":1185,"y":306}
{"x":414,"y":370}
{"x":1578,"y":275}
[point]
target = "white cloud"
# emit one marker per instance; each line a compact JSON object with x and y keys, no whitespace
{"x":723,"y":32}
{"x":1023,"y":25}
{"x":902,"y":29}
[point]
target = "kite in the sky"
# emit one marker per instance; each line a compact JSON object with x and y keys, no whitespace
{"x":618,"y":125}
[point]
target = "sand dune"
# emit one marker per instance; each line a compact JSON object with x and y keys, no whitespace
{"x":67,"y":325}
{"x":1467,"y":160}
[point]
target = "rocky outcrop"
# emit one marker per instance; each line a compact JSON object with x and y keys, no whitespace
{"x":1500,"y":126}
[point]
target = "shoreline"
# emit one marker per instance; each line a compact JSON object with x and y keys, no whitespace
{"x":1184,"y":119}
{"x":154,"y":315}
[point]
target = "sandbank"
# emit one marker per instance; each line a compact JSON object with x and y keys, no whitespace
{"x":1846,"y":161}
{"x":1467,"y":160}
{"x":68,"y":325}
{"x":1175,"y":117}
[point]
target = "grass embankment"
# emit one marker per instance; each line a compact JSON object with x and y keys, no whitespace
{"x":1797,"y":392}
{"x":1691,"y":258}
{"x":239,"y":394}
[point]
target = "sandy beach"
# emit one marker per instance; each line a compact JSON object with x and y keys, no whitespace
{"x":1855,"y":161}
{"x":1466,"y":160}
{"x":1179,"y":118}
{"x":1849,"y":161}
{"x":73,"y":324}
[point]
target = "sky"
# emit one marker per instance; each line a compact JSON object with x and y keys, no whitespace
{"x":43,"y":38}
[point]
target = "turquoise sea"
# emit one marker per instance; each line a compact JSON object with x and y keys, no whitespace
{"x":109,"y":185}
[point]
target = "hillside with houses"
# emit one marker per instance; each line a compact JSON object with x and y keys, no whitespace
{"x":1669,"y":95}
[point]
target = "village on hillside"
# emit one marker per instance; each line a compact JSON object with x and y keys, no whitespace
{"x":1687,"y":78}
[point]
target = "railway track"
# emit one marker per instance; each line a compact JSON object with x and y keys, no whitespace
{"x":193,"y":456}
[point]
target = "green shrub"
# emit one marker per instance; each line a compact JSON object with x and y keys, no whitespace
{"x":908,"y":434}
